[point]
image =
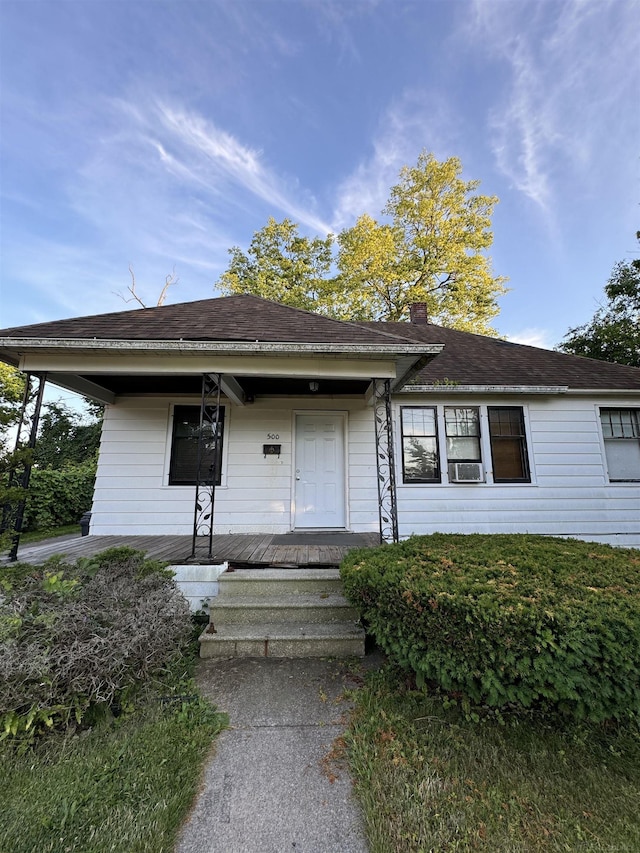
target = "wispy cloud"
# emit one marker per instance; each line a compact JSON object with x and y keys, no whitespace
{"x":416,"y":121}
{"x":160,"y":186}
{"x":211,"y":156}
{"x":555,"y":110}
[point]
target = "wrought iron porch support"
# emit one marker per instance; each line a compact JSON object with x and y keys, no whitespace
{"x":209,"y":431}
{"x":385,"y":463}
{"x":20,"y":473}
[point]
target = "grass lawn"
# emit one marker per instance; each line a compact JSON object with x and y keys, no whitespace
{"x":429,"y":780}
{"x":50,"y":533}
{"x":124,"y":786}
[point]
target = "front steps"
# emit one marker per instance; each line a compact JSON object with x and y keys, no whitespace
{"x":285,"y":613}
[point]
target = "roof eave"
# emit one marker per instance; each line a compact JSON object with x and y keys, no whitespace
{"x":459,"y":388}
{"x":12,"y":345}
{"x":548,"y":390}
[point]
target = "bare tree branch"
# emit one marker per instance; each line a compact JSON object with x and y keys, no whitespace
{"x":170,"y":279}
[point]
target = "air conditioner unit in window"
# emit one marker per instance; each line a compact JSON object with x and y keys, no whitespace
{"x":466,"y":472}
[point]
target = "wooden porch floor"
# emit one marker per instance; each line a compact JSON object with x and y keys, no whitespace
{"x":260,"y":549}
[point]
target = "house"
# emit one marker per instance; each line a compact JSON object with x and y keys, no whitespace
{"x":303,"y":423}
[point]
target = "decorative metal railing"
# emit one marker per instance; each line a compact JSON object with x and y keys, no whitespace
{"x":386,"y":469}
{"x":209,"y":434}
{"x":22,"y":460}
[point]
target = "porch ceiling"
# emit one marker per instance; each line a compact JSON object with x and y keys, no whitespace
{"x":252,"y":386}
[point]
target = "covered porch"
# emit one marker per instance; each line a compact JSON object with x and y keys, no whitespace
{"x":231,"y":414}
{"x":290,"y":550}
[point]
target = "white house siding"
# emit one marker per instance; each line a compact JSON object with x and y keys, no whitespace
{"x":569,"y":494}
{"x":132,"y":495}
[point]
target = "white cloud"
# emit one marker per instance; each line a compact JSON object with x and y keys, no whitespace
{"x":212,"y":156}
{"x":417,"y":121}
{"x":560,"y":63}
{"x":531,"y":337}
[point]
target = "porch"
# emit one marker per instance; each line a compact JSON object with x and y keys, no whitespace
{"x":289,"y":550}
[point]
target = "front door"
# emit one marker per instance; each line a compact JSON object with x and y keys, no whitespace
{"x":319,"y":495}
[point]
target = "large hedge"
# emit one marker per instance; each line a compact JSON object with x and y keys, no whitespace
{"x":508,"y":620}
{"x":59,"y":496}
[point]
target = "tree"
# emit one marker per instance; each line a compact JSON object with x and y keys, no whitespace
{"x":430,"y":250}
{"x":282,"y":266}
{"x":614,"y":332}
{"x":64,"y":439}
{"x":12,"y":385}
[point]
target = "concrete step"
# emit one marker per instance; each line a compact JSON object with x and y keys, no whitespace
{"x":302,"y":607}
{"x":276,"y":581}
{"x":284,"y":640}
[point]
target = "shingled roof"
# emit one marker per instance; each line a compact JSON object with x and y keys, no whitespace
{"x":229,"y":318}
{"x":469,"y":359}
{"x":466,"y":360}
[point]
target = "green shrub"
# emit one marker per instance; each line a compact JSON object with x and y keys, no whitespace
{"x":75,"y":640}
{"x":508,"y":620}
{"x":59,"y":496}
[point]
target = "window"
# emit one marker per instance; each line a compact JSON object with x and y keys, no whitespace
{"x":621,"y":433}
{"x":463,"y":445}
{"x":508,"y":444}
{"x":184,"y":447}
{"x":419,"y":445}
{"x":462,"y":427}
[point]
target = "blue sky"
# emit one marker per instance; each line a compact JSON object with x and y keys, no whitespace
{"x":160,"y":134}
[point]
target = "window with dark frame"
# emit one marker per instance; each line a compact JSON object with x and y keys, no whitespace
{"x":508,"y":444}
{"x":184,"y":447}
{"x":621,"y":434}
{"x":420,"y":461}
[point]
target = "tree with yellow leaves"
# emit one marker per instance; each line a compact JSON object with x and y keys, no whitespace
{"x":430,"y":248}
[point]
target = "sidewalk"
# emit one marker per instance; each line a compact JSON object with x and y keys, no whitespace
{"x":273,"y":784}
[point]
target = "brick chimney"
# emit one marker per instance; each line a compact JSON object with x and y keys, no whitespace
{"x":418,"y":313}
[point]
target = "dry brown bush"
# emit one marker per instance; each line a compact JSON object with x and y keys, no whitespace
{"x":75,"y":637}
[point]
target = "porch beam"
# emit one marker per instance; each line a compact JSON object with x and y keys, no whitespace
{"x":233,"y":390}
{"x":370,"y":394}
{"x":80,"y":385}
{"x":291,"y":366}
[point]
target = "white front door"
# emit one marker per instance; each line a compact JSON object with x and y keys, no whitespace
{"x":319,"y":496}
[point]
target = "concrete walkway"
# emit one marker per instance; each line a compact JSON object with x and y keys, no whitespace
{"x":274,"y":783}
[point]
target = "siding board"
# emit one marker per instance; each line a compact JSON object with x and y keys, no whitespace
{"x":569,"y":494}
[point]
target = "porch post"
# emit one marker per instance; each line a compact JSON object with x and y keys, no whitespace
{"x":208,"y":433}
{"x":385,"y":464}
{"x":20,"y":473}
